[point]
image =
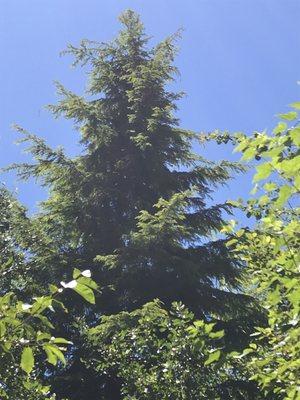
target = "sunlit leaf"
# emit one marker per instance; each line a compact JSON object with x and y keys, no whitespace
{"x":296,"y":105}
{"x":86,"y":292}
{"x":213,"y":357}
{"x":290,"y":116}
{"x":263,"y":172}
{"x":27,"y":360}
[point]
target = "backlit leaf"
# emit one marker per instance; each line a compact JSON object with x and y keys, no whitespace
{"x":213,"y":357}
{"x":27,"y":360}
{"x":86,"y":292}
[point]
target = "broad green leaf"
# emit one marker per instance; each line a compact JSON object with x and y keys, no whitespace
{"x":249,"y":154}
{"x":76,"y":273}
{"x":86,"y":292}
{"x":6,"y":346}
{"x":199,"y":323}
{"x":41,"y":304}
{"x":231,"y":242}
{"x":57,"y":352}
{"x":216,"y":335}
{"x":213,"y":357}
{"x":241,"y":146}
{"x":284,"y":194}
{"x":294,"y":297}
{"x":246,"y":352}
{"x":290,"y":116}
{"x":263,"y":171}
{"x":296,"y":105}
{"x":208,"y":327}
{"x":281,"y":127}
{"x":45,"y":320}
{"x":51,"y":357}
{"x":234,"y":203}
{"x":27,"y":360}
{"x":43,"y":336}
{"x":274,"y":297}
{"x":2,"y":329}
{"x":295,"y":135}
{"x":5,"y":299}
{"x":290,"y":167}
{"x":87,"y":282}
{"x":53,"y":289}
{"x":270,"y":186}
{"x":263,"y":200}
{"x":61,"y":341}
{"x":243,"y":354}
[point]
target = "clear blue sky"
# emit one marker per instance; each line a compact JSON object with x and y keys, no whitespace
{"x":239,"y":63}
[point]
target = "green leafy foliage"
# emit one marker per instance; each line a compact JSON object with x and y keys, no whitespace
{"x":170,"y":312}
{"x":27,"y":360}
{"x":271,"y":252}
{"x":134,"y":207}
{"x":161,"y":353}
{"x":25,"y":337}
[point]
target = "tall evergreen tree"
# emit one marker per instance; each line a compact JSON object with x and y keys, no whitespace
{"x":15,"y":238}
{"x":133,"y":206}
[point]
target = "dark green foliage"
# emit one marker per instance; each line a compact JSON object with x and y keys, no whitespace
{"x":159,"y":353}
{"x":133,"y":207}
{"x":15,"y":234}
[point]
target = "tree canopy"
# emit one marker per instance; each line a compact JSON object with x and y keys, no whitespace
{"x":129,"y":281}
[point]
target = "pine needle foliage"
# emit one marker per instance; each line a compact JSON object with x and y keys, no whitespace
{"x":135,"y":206}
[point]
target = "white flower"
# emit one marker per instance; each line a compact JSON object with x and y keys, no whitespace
{"x":24,"y":341}
{"x":69,"y":285}
{"x":26,"y":306}
{"x":86,"y":273}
